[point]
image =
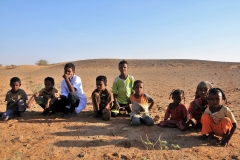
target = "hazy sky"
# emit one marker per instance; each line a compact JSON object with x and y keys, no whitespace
{"x":70,"y":30}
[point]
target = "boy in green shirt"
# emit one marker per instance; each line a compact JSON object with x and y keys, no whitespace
{"x":122,"y":88}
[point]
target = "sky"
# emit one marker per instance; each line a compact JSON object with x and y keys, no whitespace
{"x":71,"y":30}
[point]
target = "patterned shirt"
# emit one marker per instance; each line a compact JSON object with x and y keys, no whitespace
{"x":12,"y":98}
{"x":47,"y":94}
{"x":123,"y":88}
{"x":140,"y":105}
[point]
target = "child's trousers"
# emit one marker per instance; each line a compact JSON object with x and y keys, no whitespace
{"x":20,"y":107}
{"x":137,"y":120}
{"x":66,"y":104}
{"x":219,"y":129}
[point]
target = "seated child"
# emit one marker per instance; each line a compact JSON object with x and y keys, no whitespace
{"x":176,"y":111}
{"x":45,"y":96}
{"x":102,"y":99}
{"x":16,"y":100}
{"x":139,"y":104}
{"x":72,"y":98}
{"x":122,"y":89}
{"x":218,"y":118}
{"x":198,"y":106}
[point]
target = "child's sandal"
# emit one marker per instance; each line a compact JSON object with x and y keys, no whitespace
{"x":204,"y":137}
{"x":210,"y":136}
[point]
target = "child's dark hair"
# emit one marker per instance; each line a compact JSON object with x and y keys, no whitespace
{"x":70,"y":65}
{"x":123,"y":62}
{"x":177,"y":92}
{"x":216,"y":91}
{"x":102,"y":78}
{"x":49,"y":79}
{"x":136,"y":82}
{"x":15,"y":79}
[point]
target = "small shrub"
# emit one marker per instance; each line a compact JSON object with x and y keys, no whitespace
{"x":11,"y":66}
{"x":42,"y":62}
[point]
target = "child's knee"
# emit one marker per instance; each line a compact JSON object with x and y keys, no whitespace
{"x":72,"y":96}
{"x":95,"y":95}
{"x":4,"y":116}
{"x":135,"y":122}
{"x":21,"y":105}
{"x":149,"y":123}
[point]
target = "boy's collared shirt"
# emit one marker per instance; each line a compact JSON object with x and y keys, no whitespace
{"x":12,"y":98}
{"x":123,"y":88}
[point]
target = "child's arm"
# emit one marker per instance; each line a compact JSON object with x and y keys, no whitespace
{"x":129,"y":104}
{"x":167,"y":113}
{"x":225,"y":140}
{"x":115,"y":102}
{"x":110,"y":100}
{"x":69,"y":85}
{"x":151,"y":105}
{"x":150,"y":100}
{"x":48,"y":103}
{"x":185,"y":114}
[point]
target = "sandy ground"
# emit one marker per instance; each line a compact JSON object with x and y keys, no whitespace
{"x":34,"y":136}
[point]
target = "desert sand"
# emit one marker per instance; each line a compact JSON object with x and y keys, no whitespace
{"x":35,"y":136}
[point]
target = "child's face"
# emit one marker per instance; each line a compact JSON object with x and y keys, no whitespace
{"x":177,"y":98}
{"x":48,"y":85}
{"x":123,"y":68}
{"x":202,"y":92}
{"x":100,"y":85}
{"x":15,"y":86}
{"x":69,"y":72}
{"x":215,"y":100}
{"x":138,"y":88}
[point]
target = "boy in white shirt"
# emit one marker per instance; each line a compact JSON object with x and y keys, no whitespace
{"x":72,"y":97}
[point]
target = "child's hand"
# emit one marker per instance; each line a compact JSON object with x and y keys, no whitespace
{"x":225,"y":141}
{"x":28,"y":106}
{"x":67,"y":76}
{"x":47,"y":105}
{"x":56,"y":95}
{"x":116,"y":106}
{"x":108,"y":107}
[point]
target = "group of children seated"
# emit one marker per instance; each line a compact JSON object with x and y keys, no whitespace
{"x":208,"y":111}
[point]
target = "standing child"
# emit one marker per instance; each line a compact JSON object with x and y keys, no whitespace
{"x":72,"y":97}
{"x":102,"y":99}
{"x":139,"y":104}
{"x":198,"y":106}
{"x":176,"y":111}
{"x":122,"y":88}
{"x":45,"y":96}
{"x":16,"y":100}
{"x":217,"y":118}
